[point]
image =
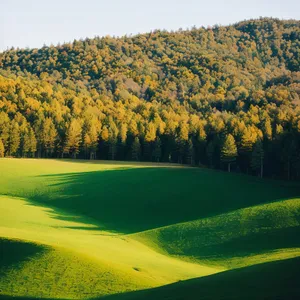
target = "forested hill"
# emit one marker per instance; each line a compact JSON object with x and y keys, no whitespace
{"x":220,"y":96}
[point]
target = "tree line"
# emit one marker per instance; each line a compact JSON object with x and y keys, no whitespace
{"x":222,"y":97}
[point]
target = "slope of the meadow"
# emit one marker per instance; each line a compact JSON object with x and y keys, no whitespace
{"x":75,"y":259}
{"x":243,"y":237}
{"x":81,"y":229}
{"x":274,"y":280}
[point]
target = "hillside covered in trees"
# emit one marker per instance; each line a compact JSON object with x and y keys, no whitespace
{"x":224,"y":97}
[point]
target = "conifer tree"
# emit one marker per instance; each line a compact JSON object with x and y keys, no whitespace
{"x":32,"y":142}
{"x":136,"y":149}
{"x":4,"y":127}
{"x":268,"y":129}
{"x":122,"y":141}
{"x":123,"y":133}
{"x":73,"y":138}
{"x":156,"y":154}
{"x":112,"y":150}
{"x":1,"y":149}
{"x":190,"y":153}
{"x":104,"y":134}
{"x":47,"y":135}
{"x":257,"y":158}
{"x":25,"y":143}
{"x":150,"y":137}
{"x":13,"y":141}
{"x":182,"y":138}
{"x":210,"y":149}
{"x":229,"y":151}
{"x":289,"y":155}
{"x":91,"y":129}
{"x":249,"y":137}
{"x":112,"y":139}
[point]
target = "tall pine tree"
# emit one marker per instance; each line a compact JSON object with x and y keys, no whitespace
{"x":229,"y":151}
{"x":13,"y":141}
{"x":156,"y":154}
{"x":73,"y":138}
{"x":257,"y":158}
{"x":136,"y":149}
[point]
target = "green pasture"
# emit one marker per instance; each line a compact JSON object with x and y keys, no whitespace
{"x":81,"y":229}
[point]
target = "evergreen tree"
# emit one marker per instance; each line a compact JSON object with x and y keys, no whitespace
{"x":136,"y":149}
{"x":33,"y":142}
{"x":210,"y":149}
{"x":150,"y":132}
{"x":190,"y":153}
{"x":90,"y":130}
{"x":156,"y":154}
{"x":46,"y":135}
{"x":249,"y":138}
{"x":73,"y":138}
{"x":1,"y":149}
{"x":257,"y":158}
{"x":112,"y":144}
{"x":150,"y":137}
{"x":268,"y":129}
{"x":112,"y":139}
{"x":229,"y":151}
{"x":289,"y":155}
{"x":25,"y":143}
{"x":182,"y":138}
{"x":13,"y":141}
{"x":4,"y":127}
{"x":122,"y":141}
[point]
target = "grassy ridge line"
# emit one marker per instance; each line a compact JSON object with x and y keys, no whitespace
{"x":234,"y":239}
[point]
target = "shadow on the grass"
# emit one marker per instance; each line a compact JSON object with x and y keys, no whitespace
{"x":14,"y":252}
{"x":274,"y":280}
{"x":137,"y":199}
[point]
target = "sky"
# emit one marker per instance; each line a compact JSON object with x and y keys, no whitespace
{"x":34,"y":23}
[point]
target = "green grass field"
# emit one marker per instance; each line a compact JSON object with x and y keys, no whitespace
{"x":80,"y":230}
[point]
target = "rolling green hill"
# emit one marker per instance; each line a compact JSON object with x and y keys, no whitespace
{"x":79,"y":229}
{"x":276,"y":280}
{"x":242,"y":237}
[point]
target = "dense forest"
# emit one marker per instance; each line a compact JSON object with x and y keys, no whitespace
{"x":223,"y":97}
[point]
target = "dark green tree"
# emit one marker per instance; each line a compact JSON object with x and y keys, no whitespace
{"x":257,"y":158}
{"x":156,"y":154}
{"x":190,"y":153}
{"x":136,"y":149}
{"x":210,"y":149}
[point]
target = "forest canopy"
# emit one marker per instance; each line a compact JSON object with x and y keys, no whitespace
{"x":225,"y":97}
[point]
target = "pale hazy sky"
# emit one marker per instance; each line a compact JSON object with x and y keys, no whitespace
{"x":32,"y":23}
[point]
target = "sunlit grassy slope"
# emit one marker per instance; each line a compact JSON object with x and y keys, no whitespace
{"x":88,"y":229}
{"x":81,"y":260}
{"x":239,"y":238}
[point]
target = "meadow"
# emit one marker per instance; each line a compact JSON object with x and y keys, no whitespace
{"x":89,"y":230}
